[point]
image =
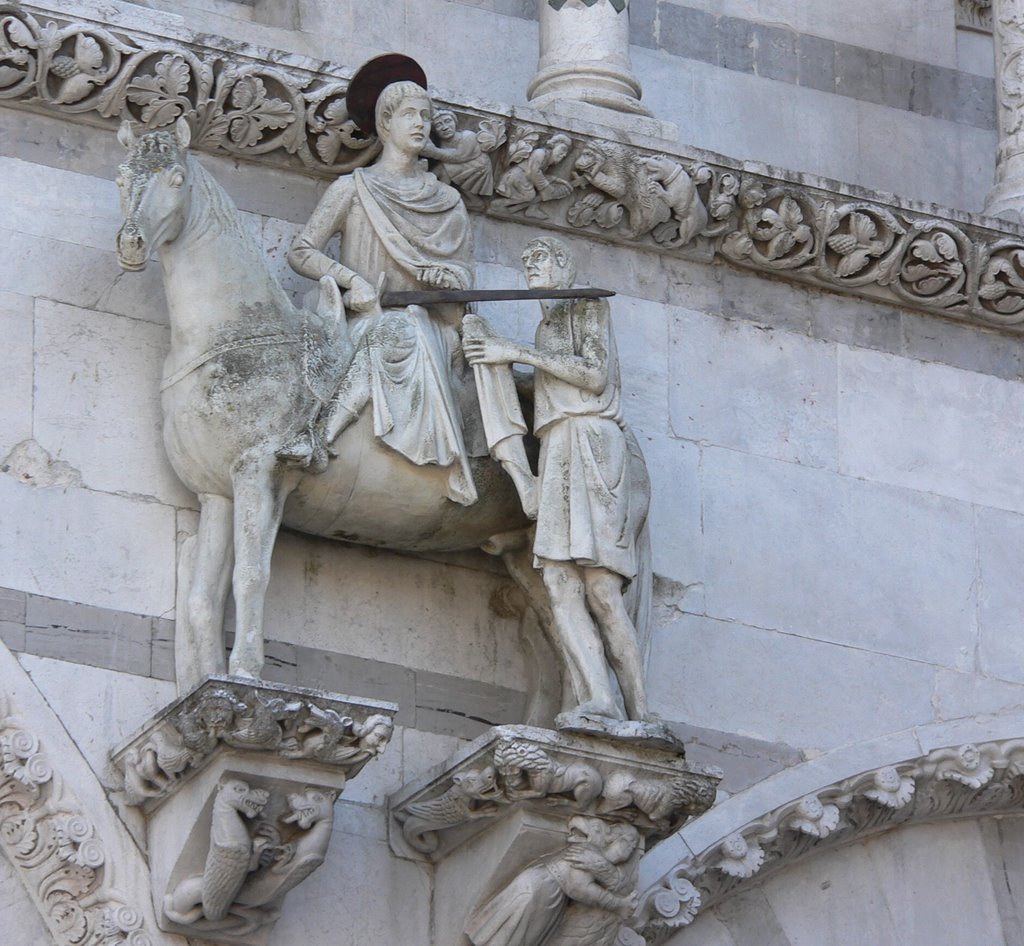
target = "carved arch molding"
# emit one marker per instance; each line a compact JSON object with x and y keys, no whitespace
{"x":288,"y":111}
{"x":967,"y":781}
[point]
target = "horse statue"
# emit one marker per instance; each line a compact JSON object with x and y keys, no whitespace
{"x":243,"y":378}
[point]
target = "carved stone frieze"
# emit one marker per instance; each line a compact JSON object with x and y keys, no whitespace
{"x":653,"y":789}
{"x":521,"y":165}
{"x":55,"y":848}
{"x":287,"y":722}
{"x":974,"y":15}
{"x":962,"y":781}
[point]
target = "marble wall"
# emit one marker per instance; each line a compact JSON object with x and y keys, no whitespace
{"x":838,"y":517}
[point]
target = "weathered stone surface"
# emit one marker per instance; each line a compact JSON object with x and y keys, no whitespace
{"x":89,"y":366}
{"x":16,"y":326}
{"x":1000,"y":613}
{"x":930,"y":428}
{"x":737,"y":386}
{"x":116,"y":704}
{"x":67,"y":544}
{"x":849,"y":549}
{"x":746,"y":696}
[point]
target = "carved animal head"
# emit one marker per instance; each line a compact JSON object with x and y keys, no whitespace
{"x":476,"y":783}
{"x":660,"y":166}
{"x":245,"y":800}
{"x":152,"y":183}
{"x":310,"y":806}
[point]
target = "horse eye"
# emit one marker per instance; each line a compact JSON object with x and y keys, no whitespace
{"x":177,"y":179}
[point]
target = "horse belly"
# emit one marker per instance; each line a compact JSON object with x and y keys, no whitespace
{"x":372,"y":495}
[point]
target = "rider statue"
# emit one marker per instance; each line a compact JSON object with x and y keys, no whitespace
{"x":400,"y":229}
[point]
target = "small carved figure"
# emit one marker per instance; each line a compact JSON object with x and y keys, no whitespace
{"x":661,"y":800}
{"x":461,"y":803}
{"x":312,"y":810}
{"x":529,"y":772}
{"x":328,"y":736}
{"x":655,"y":193}
{"x":579,"y":895}
{"x":593,"y":487}
{"x":229,"y":860}
{"x":463,"y":156}
{"x":526,"y":183}
{"x":260,"y":726}
{"x":149,"y":770}
{"x":207,"y":723}
{"x":689,"y":215}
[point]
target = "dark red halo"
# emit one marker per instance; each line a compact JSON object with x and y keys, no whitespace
{"x":370,"y":81}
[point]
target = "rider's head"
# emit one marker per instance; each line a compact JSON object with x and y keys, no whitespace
{"x":549,"y":264}
{"x":391,"y":100}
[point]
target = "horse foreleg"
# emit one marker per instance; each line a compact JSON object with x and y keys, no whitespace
{"x":259,"y":503}
{"x":204,"y":570}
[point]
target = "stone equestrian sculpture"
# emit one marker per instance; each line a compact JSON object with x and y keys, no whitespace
{"x":346,"y":418}
{"x":244,"y":377}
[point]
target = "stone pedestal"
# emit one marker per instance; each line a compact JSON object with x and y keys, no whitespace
{"x":237,"y":783}
{"x":509,"y":809}
{"x":584,"y":57}
{"x":1006,"y":199}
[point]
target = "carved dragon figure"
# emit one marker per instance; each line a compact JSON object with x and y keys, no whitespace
{"x":230,"y":858}
{"x":461,"y":803}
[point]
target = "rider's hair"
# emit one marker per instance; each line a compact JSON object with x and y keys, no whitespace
{"x":392,"y":96}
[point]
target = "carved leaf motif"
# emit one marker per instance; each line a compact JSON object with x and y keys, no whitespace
{"x":161,"y":94}
{"x":256,"y":112}
{"x":21,"y":34}
{"x":492,"y":134}
{"x":88,"y":54}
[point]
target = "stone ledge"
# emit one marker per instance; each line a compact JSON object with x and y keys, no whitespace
{"x":830,"y":235}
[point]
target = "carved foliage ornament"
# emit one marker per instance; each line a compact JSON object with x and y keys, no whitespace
{"x":967,"y":780}
{"x":251,"y":108}
{"x":54,"y":848}
{"x":974,"y":14}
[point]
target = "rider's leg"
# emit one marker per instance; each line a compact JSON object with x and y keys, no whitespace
{"x":511,"y":454}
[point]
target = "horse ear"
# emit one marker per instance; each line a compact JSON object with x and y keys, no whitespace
{"x":126,"y":135}
{"x":183,"y":132}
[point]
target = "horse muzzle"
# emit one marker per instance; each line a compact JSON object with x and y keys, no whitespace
{"x":132,"y":253}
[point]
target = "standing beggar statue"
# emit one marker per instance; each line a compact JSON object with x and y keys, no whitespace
{"x":593,"y":485}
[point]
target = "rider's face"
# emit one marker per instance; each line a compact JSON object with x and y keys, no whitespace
{"x":410,"y":124}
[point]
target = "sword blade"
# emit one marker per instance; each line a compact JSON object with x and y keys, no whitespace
{"x":392,"y":299}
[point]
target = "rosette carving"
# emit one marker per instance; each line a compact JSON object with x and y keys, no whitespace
{"x":54,"y":847}
{"x":776,"y":228}
{"x":946,"y":783}
{"x":857,"y":239}
{"x":1001,"y":287}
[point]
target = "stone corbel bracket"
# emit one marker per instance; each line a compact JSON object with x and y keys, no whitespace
{"x":515,"y":767}
{"x":517,"y":164}
{"x":508,"y":803}
{"x":237,"y":781}
{"x":955,"y":782}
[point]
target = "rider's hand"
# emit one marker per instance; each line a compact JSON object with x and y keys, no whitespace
{"x":361,"y":296}
{"x":441,"y":277}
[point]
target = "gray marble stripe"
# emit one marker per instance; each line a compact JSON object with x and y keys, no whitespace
{"x":815,"y":63}
{"x":142,"y":645}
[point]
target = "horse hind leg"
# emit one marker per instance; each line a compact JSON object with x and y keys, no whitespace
{"x":204,"y":570}
{"x":259,"y":503}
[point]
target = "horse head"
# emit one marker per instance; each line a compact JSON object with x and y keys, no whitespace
{"x":154,"y":195}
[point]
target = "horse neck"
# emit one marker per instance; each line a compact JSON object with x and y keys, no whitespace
{"x":214,"y":272}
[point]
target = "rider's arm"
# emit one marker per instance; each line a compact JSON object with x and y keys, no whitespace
{"x":307,"y":256}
